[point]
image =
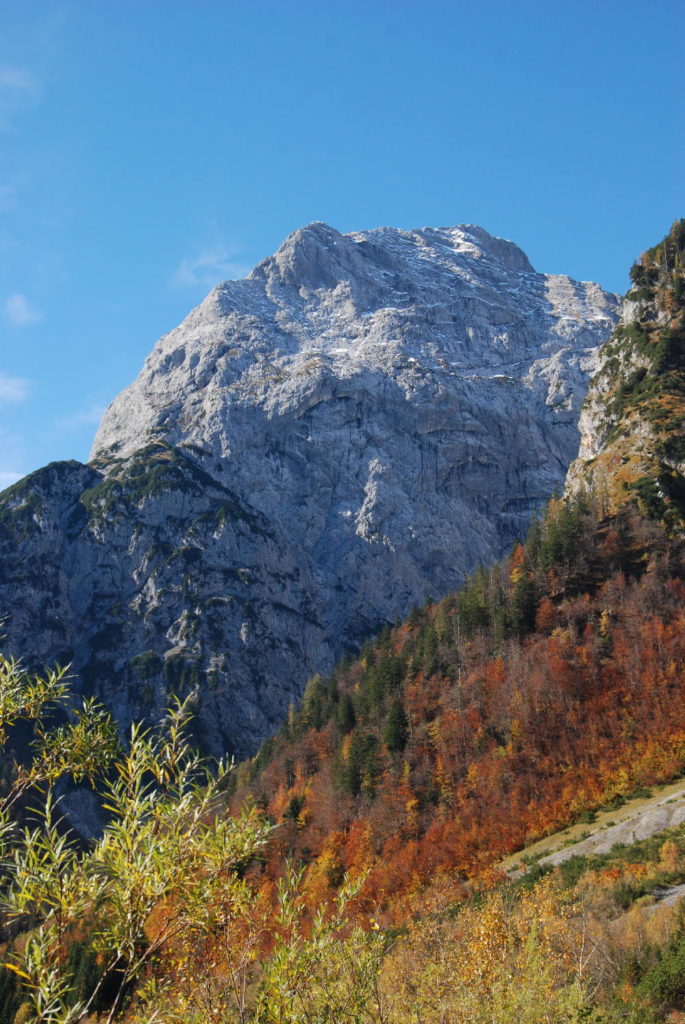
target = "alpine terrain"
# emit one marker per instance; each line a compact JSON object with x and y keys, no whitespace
{"x":359,"y":424}
{"x":411,"y":844}
{"x":550,"y":684}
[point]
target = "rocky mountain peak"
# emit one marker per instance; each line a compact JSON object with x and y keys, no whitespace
{"x":315,"y":256}
{"x":409,"y":307}
{"x":319,"y":256}
{"x":357,"y":424}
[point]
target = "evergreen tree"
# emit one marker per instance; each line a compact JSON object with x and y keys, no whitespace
{"x":396,"y":731}
{"x":345,"y":717}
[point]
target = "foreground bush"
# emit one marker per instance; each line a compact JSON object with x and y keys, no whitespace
{"x":157,"y":919}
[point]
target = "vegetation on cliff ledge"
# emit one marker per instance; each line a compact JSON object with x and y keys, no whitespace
{"x":641,"y":388}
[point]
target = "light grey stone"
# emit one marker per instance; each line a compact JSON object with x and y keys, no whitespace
{"x":355,"y":426}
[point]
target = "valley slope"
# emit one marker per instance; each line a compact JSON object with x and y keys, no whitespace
{"x":551,"y":684}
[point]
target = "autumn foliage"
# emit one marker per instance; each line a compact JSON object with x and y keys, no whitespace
{"x":547,"y":686}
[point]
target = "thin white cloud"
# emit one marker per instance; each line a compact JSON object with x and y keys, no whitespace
{"x":19,"y":312}
{"x":91,"y":414}
{"x":19,"y":88}
{"x":13,"y":389}
{"x":209,"y":267}
{"x":18,"y":80}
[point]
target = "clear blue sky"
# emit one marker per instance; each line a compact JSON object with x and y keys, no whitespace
{"x":150,"y":149}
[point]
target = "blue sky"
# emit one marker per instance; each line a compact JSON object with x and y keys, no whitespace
{"x":150,"y":149}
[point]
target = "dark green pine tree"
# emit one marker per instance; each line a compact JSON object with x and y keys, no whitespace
{"x":396,"y":731}
{"x":344,"y":716}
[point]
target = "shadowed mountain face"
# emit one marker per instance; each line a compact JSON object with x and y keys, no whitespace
{"x":356,"y":425}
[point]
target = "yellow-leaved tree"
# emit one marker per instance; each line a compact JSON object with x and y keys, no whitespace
{"x":156,"y":920}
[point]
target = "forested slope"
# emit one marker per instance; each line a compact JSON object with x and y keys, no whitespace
{"x":549,"y":685}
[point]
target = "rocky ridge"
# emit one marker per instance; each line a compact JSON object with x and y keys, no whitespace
{"x":356,"y":425}
{"x":633,"y":420}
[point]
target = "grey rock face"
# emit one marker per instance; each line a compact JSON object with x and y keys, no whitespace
{"x":596,"y":421}
{"x":359,"y":423}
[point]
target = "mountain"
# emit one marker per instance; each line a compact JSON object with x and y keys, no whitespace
{"x":551,"y":684}
{"x":359,"y":423}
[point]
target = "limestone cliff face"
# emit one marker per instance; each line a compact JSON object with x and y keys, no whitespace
{"x":358,"y":424}
{"x":633,"y":420}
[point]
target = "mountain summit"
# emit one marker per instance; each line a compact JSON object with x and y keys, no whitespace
{"x":359,"y":423}
{"x":330,"y":314}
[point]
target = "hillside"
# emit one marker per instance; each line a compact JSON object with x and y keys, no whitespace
{"x":621,"y":823}
{"x":550,"y":685}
